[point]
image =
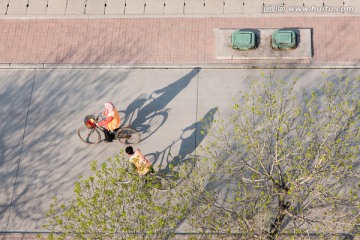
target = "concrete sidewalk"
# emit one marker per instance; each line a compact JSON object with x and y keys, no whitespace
{"x":41,"y":109}
{"x":158,"y":33}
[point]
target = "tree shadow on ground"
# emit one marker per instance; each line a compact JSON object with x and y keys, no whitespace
{"x":40,"y":158}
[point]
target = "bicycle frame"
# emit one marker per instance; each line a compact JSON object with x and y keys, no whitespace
{"x":126,"y":135}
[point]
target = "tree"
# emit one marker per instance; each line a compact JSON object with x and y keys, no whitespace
{"x":107,"y":208}
{"x":284,"y":164}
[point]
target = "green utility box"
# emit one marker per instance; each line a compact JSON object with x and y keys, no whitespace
{"x":243,"y":40}
{"x":283,"y":40}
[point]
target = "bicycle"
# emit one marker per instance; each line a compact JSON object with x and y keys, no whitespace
{"x":89,"y":133}
{"x":155,"y":180}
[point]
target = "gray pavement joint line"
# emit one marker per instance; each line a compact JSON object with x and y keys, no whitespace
{"x":66,"y":5}
{"x":7,"y":7}
{"x":27,"y":6}
{"x":196,"y":109}
{"x":21,"y":149}
{"x":85,"y":4}
{"x":47,"y":7}
{"x":105,"y":5}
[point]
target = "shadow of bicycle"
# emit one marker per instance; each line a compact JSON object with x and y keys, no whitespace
{"x":180,"y":166}
{"x":147,"y":113}
{"x":149,"y":125}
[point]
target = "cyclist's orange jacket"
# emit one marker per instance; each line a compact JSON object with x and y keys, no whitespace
{"x":112,"y":120}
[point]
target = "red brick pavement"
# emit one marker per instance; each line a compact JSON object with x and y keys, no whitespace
{"x":160,"y":40}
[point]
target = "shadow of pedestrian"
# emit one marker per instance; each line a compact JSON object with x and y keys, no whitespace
{"x":191,"y":138}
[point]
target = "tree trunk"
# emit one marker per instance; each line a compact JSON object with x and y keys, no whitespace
{"x":275,"y":226}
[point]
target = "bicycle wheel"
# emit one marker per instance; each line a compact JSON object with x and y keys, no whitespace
{"x":89,"y":136}
{"x":128,"y":135}
{"x":160,"y":183}
{"x":152,"y":123}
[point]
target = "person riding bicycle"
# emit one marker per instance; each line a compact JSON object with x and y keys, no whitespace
{"x":139,"y":163}
{"x":111,"y":121}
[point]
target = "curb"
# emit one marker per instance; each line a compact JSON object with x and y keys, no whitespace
{"x":181,"y":66}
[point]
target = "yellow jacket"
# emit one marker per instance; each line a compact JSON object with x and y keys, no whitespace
{"x":141,"y":165}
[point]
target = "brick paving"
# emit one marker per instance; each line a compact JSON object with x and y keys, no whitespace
{"x":170,"y":41}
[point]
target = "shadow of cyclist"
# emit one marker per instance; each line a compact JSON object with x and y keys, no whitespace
{"x":160,"y":98}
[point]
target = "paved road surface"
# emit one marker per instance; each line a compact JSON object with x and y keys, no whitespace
{"x":41,"y":155}
{"x":61,"y":60}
